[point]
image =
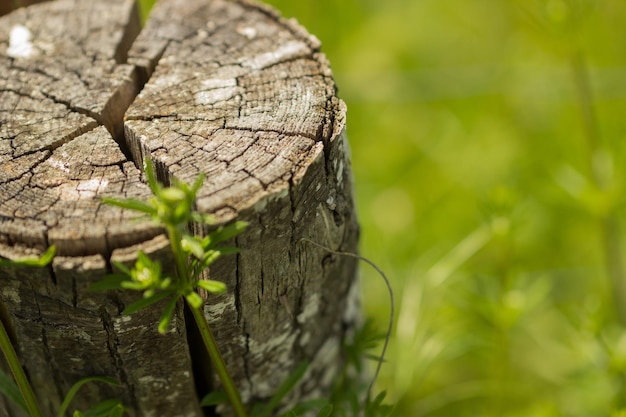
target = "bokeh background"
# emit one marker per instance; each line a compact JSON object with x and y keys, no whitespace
{"x":488,"y":151}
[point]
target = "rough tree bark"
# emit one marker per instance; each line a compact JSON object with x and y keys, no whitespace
{"x":227,"y":88}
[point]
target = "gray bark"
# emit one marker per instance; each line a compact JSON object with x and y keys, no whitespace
{"x":224,"y":88}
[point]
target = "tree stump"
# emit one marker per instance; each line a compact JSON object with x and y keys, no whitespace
{"x":224,"y":88}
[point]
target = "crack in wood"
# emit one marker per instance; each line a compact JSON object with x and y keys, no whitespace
{"x":118,"y":362}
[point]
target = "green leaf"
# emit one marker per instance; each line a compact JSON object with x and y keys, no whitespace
{"x":214,"y":398}
{"x":197,"y":184}
{"x":146,"y":302}
{"x":110,"y":282}
{"x":43,"y":260}
{"x":228,"y":250}
{"x":227,"y":232}
{"x":77,"y":386}
{"x":208,"y":259}
{"x":191,"y":244}
{"x":117,"y":411}
{"x":131,"y":204}
{"x":182,"y":212}
{"x":212,"y":286}
{"x":151,"y":177}
{"x":379,"y":398}
{"x":47,"y":256}
{"x":194,"y":300}
{"x":284,"y":389}
{"x":202,"y":218}
{"x":326,"y":411}
{"x":166,"y":316}
{"x":78,"y":414}
{"x":173,"y":195}
{"x":143,"y":259}
{"x":104,"y":408}
{"x":122,"y":267}
{"x":376,"y":408}
{"x":306,"y":406}
{"x":9,"y":389}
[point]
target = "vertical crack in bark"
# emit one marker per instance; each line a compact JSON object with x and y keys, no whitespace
{"x":262,"y":289}
{"x":46,"y":348}
{"x":246,"y":361}
{"x":200,"y":361}
{"x":325,"y":133}
{"x":237,"y":290}
{"x":74,"y":293}
{"x":48,"y":356}
{"x":295,"y":258}
{"x":118,"y":362}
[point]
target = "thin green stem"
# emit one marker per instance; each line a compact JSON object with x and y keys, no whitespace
{"x":218,"y":362}
{"x":179,"y":253}
{"x":18,"y":373}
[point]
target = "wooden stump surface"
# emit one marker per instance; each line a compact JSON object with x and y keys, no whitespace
{"x":224,"y":88}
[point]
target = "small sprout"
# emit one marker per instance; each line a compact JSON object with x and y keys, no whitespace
{"x":173,"y":208}
{"x":42,"y":260}
{"x":215,"y":287}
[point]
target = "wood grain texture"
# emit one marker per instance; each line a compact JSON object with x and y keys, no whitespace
{"x":224,"y":88}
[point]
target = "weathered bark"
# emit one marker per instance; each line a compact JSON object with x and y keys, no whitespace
{"x":225,"y":88}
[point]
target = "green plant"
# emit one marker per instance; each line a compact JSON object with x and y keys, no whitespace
{"x":20,"y":391}
{"x":172,"y":207}
{"x":352,"y":397}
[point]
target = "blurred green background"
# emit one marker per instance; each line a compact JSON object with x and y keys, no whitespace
{"x":488,"y":149}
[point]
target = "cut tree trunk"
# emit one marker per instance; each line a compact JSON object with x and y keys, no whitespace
{"x":224,"y":88}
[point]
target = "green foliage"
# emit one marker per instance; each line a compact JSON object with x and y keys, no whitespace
{"x":265,"y":410}
{"x":172,"y":207}
{"x":43,"y":260}
{"x":9,"y":389}
{"x":20,"y":391}
{"x":351,"y":394}
{"x":108,"y":408}
{"x":488,"y":151}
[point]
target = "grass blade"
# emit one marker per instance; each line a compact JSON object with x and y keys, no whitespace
{"x":305,"y":406}
{"x":43,"y":260}
{"x":326,"y":411}
{"x":9,"y":389}
{"x":77,"y":386}
{"x":226,"y":232}
{"x":104,"y":409}
{"x":284,"y":389}
{"x":110,"y":282}
{"x":214,"y":398}
{"x":146,"y":302}
{"x":131,"y":204}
